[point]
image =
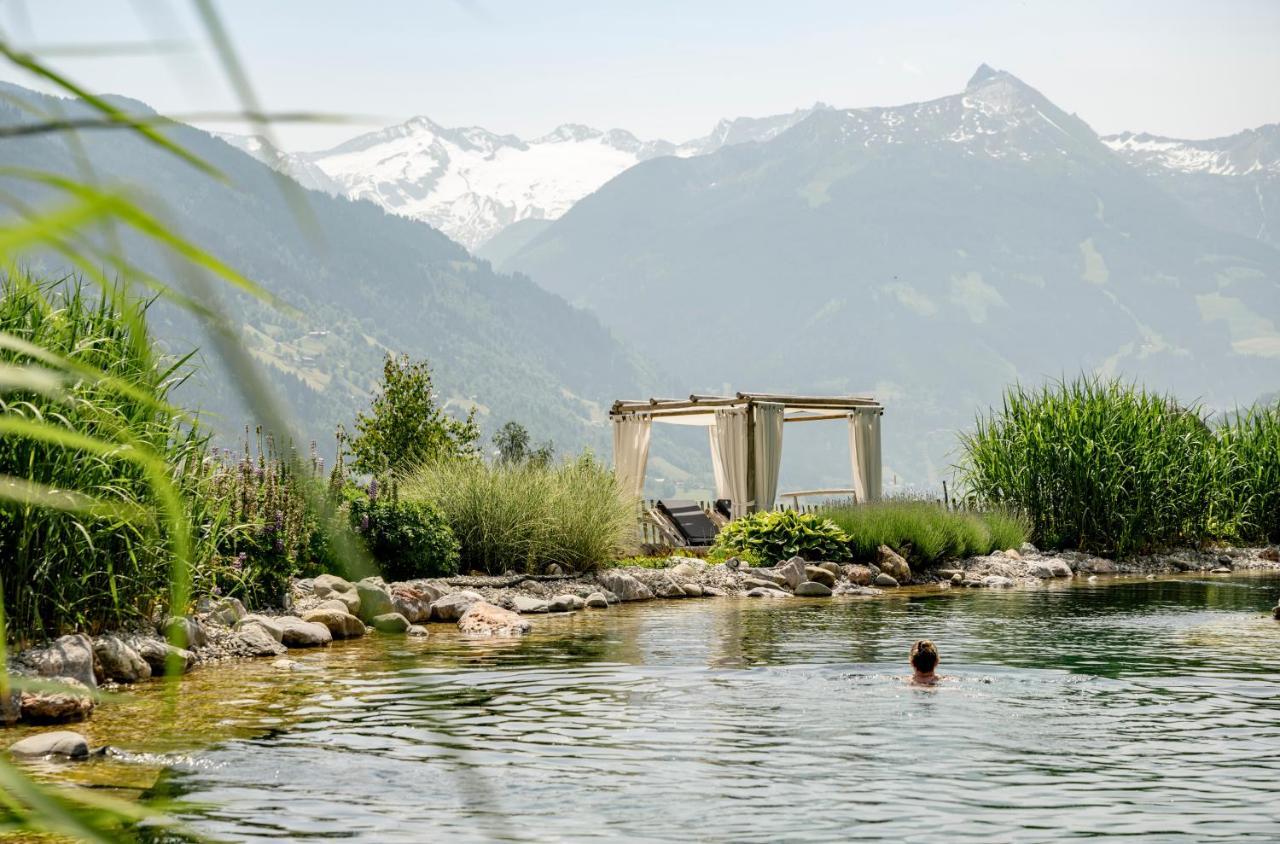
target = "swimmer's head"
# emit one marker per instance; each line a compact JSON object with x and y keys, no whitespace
{"x":924,"y":656}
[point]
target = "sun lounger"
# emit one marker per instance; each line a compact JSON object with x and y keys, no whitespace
{"x":690,"y":521}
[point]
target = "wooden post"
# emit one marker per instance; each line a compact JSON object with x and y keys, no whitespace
{"x":753,"y":505}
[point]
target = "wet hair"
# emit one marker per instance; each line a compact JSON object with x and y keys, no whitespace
{"x":924,"y":656}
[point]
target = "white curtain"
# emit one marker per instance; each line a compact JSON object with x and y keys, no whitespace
{"x":631,"y":451}
{"x":729,"y":448}
{"x":769,"y":417}
{"x":717,"y":468}
{"x":864,"y":453}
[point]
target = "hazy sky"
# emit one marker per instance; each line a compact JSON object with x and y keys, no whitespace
{"x":671,"y":69}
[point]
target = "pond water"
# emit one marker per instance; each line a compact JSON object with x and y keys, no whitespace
{"x":1144,"y":709}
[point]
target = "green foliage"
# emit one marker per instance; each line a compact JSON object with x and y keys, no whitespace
{"x":408,"y":539}
{"x":1248,"y":467}
{"x":923,"y":531}
{"x":781,"y":534}
{"x":1100,"y":466}
{"x":513,"y":444}
{"x":87,"y":567}
{"x":527,"y":516}
{"x":404,"y":426}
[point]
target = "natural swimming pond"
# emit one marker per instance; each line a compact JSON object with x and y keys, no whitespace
{"x":1144,"y":709}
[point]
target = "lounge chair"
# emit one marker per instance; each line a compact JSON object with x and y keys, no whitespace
{"x":690,"y":521}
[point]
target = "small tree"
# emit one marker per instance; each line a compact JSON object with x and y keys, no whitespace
{"x":512,"y":441}
{"x":404,"y":427}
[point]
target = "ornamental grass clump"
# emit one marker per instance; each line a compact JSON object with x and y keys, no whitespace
{"x":1247,"y":459}
{"x":773,"y":536}
{"x":526,"y":516}
{"x":925,"y":532}
{"x":1097,"y":465}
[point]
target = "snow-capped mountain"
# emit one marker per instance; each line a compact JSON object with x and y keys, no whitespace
{"x":471,"y":183}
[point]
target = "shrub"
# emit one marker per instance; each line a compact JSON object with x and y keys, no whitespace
{"x":527,"y":516}
{"x":407,"y":538}
{"x":923,"y":531}
{"x":1096,"y":465}
{"x":778,"y":535}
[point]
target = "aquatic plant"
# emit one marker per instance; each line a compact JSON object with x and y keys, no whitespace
{"x":778,"y":535}
{"x":527,"y":516}
{"x":1097,"y":465}
{"x":926,"y":532}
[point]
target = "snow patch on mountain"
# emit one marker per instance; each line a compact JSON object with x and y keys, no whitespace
{"x":1248,"y":153}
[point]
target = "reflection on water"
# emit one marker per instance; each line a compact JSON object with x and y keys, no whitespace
{"x":1141,"y":709}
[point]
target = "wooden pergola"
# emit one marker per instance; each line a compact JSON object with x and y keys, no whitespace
{"x":757,"y":410}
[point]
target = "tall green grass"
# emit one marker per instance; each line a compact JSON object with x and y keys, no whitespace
{"x":527,"y":516}
{"x":925,"y":532}
{"x":1107,"y":467}
{"x":72,"y":569}
{"x":1247,"y":460}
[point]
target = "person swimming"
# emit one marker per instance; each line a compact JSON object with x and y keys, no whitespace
{"x":924,"y":659}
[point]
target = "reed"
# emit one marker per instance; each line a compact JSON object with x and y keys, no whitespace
{"x":923,"y":531}
{"x":1247,"y":459}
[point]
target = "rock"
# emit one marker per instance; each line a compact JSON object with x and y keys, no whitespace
{"x":818,"y":574}
{"x":626,"y":587}
{"x":1275,"y":613}
{"x":885,"y":581}
{"x":1221,"y":570}
{"x":947,"y":574}
{"x":1040,"y":569}
{"x":712,"y":592}
{"x":484,"y":619}
{"x":375,"y":600}
{"x":565,"y":603}
{"x":452,"y":606}
{"x":892,"y":563}
{"x":792,"y":571}
{"x":327,"y":584}
{"x":772,"y":576}
{"x":341,"y":624}
{"x":271,"y":625}
{"x":526,"y":605}
{"x":1096,"y":565}
{"x":1028,"y":548}
{"x":411,"y":603}
{"x":424,"y":587}
{"x":813,"y":589}
{"x":68,"y":656}
{"x":957,"y":578}
{"x":859,"y":575}
{"x":185,"y":632}
{"x":332,"y":604}
{"x":254,"y":640}
{"x":596,"y":601}
{"x":834,"y":568}
{"x":610,"y":597}
{"x":768,"y":592}
{"x":1271,"y":555}
{"x":391,"y":622}
{"x":555,"y":570}
{"x":668,"y":588}
{"x":996,"y":581}
{"x":120,"y":662}
{"x":691,"y":590}
{"x":56,"y":743}
{"x":46,"y":706}
{"x":297,"y":633}
{"x":283,"y":664}
{"x":156,"y":654}
{"x":228,"y":611}
{"x":732,"y":563}
{"x":758,"y":582}
{"x":1060,"y":568}
{"x":10,"y":706}
{"x":1012,"y":554}
{"x":683,"y":570}
{"x":417,"y":631}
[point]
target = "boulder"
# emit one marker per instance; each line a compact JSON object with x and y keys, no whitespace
{"x":452,"y":606}
{"x":1012,"y":554}
{"x":10,"y":706}
{"x":526,"y":605}
{"x":1028,"y":548}
{"x":1060,"y":568}
{"x":74,"y":702}
{"x":417,"y":630}
{"x":885,"y":580}
{"x":227,"y":612}
{"x":626,"y":587}
{"x":120,"y":662}
{"x":375,"y":600}
{"x":596,"y":601}
{"x":330,"y":586}
{"x":610,"y":597}
{"x":432,"y":592}
{"x":1040,"y":569}
{"x":273,"y":626}
{"x":341,"y":624}
{"x":484,"y":619}
{"x":68,"y":656}
{"x":1271,"y":555}
{"x":1098,"y":565}
{"x":413,"y":604}
{"x":57,"y":743}
{"x":997,"y":582}
{"x":254,"y":640}
{"x":691,"y":590}
{"x":893,"y":564}
{"x":566,"y":603}
{"x":332,"y":604}
{"x":712,"y":592}
{"x":668,"y":587}
{"x":157,"y":653}
{"x":683,"y":570}
{"x":813,"y":589}
{"x":771,"y":575}
{"x":859,"y":575}
{"x":834,"y":568}
{"x":767,"y":592}
{"x":555,"y":570}
{"x":296,"y":633}
{"x":818,"y":574}
{"x":792,"y":571}
{"x":758,"y":582}
{"x":185,"y":632}
{"x":391,"y":622}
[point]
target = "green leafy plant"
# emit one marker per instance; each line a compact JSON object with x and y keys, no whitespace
{"x":407,"y":538}
{"x":925,"y":532}
{"x":781,"y":534}
{"x":405,"y":426}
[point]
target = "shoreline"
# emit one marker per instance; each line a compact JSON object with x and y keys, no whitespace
{"x":326,"y":608}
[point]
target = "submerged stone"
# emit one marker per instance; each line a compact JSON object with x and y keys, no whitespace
{"x":57,"y":743}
